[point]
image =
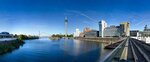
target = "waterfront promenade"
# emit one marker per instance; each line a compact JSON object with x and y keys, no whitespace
{"x":7,"y":39}
{"x":130,"y":50}
{"x":98,"y":39}
{"x":144,"y":39}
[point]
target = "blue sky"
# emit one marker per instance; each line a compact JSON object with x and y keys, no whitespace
{"x":47,"y":16}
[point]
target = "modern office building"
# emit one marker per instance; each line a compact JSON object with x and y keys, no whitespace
{"x":134,"y":33}
{"x":91,"y":34}
{"x":5,"y":35}
{"x":85,"y":30}
{"x":66,"y":26}
{"x":125,"y":27}
{"x":76,"y":33}
{"x":102,"y":26}
{"x":112,"y":31}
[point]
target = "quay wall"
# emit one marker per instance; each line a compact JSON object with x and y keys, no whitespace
{"x":98,"y":39}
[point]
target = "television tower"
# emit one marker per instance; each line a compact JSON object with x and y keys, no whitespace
{"x":66,"y":26}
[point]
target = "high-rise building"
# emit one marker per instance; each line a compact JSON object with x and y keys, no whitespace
{"x":76,"y":33}
{"x":66,"y":26}
{"x":102,"y":26}
{"x":125,"y":27}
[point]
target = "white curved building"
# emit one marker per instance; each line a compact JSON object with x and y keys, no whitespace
{"x":76,"y":33}
{"x":102,"y":26}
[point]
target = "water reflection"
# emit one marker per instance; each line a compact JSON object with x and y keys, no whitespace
{"x":77,"y":47}
{"x":101,"y":49}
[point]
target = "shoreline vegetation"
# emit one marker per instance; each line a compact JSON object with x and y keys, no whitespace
{"x":9,"y":46}
{"x":26,"y":37}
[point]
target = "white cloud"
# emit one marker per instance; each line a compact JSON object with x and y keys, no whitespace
{"x":82,"y":14}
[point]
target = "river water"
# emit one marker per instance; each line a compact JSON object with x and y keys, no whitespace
{"x":45,"y":50}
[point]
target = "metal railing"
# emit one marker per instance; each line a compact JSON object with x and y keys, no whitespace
{"x":111,"y":55}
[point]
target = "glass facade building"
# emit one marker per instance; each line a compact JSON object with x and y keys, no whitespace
{"x":112,"y":31}
{"x":92,"y":33}
{"x":134,"y":33}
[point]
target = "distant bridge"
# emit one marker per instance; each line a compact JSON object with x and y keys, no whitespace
{"x":130,"y":50}
{"x":40,"y":33}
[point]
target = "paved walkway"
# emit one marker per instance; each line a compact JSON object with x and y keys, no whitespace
{"x":7,"y":39}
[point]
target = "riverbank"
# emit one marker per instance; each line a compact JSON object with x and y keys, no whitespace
{"x":8,"y":46}
{"x":98,"y":39}
{"x":12,"y":43}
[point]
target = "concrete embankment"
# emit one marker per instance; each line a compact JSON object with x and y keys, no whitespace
{"x":8,"y":46}
{"x":98,"y":39}
{"x":113,"y":45}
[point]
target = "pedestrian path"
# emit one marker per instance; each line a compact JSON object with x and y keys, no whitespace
{"x":7,"y":39}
